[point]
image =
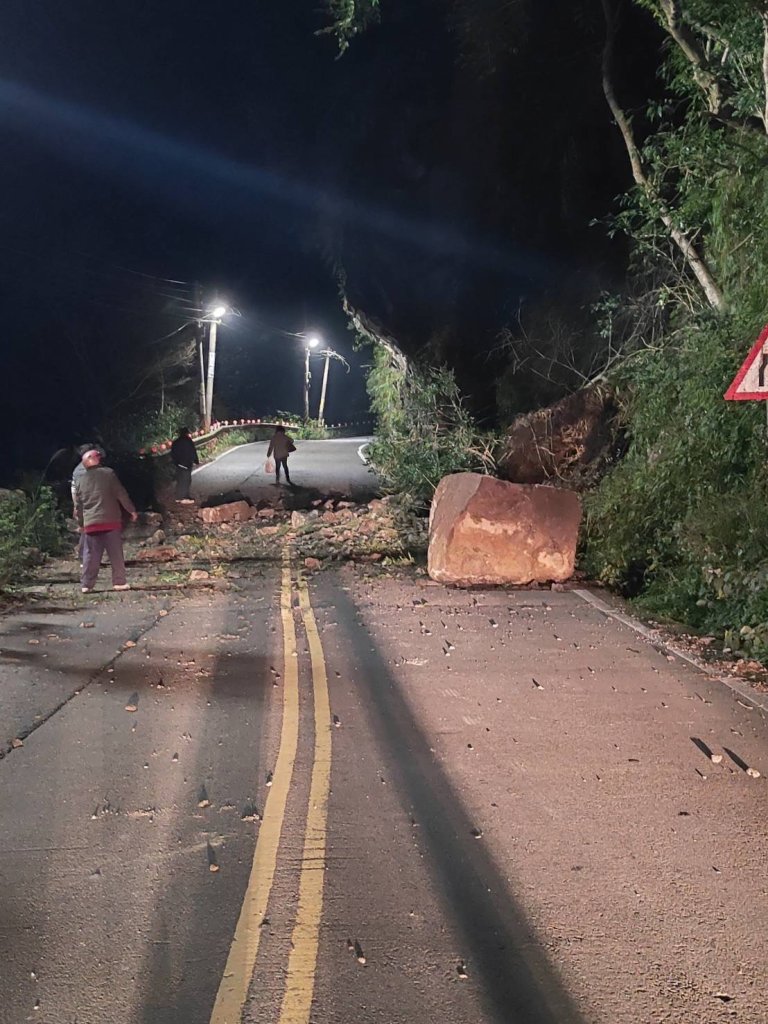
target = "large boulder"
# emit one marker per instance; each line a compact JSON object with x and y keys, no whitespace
{"x":487,"y":531}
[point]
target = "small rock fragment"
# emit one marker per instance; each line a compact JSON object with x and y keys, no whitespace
{"x":133,"y":703}
{"x":16,"y":743}
{"x":753,"y":773}
{"x":213,"y":864}
{"x":461,"y":969}
{"x":476,"y":833}
{"x":202,"y":798}
{"x":359,"y":954}
{"x":129,"y":643}
{"x":337,"y":721}
{"x":716,"y":758}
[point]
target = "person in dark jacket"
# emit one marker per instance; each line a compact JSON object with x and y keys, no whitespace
{"x":281,"y":447}
{"x":184,"y":455}
{"x":100,"y":500}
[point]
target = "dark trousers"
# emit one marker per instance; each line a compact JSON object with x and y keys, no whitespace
{"x":94,"y":546}
{"x":183,"y":482}
{"x":284,"y":464}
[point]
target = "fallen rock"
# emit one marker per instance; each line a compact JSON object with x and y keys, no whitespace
{"x":487,"y":531}
{"x":298,"y":519}
{"x":267,"y":513}
{"x":156,"y":555}
{"x":232,"y":512}
{"x":158,"y":537}
{"x":199,"y":574}
{"x":312,"y":563}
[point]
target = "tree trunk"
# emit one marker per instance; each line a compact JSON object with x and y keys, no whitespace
{"x":695,"y":261}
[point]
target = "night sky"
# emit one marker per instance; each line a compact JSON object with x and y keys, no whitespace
{"x":150,"y":146}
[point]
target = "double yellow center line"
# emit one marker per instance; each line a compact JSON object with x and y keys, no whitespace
{"x":302,"y":961}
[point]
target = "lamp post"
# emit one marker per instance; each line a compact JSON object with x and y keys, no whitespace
{"x":213,"y":319}
{"x":309,"y":344}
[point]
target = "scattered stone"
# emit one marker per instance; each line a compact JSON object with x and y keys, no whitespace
{"x":199,"y":574}
{"x":158,"y":537}
{"x":133,"y":703}
{"x":129,"y":644}
{"x":163,"y":612}
{"x":33,"y":641}
{"x":232,"y":512}
{"x":250,"y":813}
{"x":266,"y":513}
{"x":753,"y":773}
{"x":298,"y":519}
{"x":213,"y":864}
{"x":716,"y":758}
{"x":202,"y":798}
{"x":312,"y":563}
{"x":165,"y":554}
{"x":87,"y":625}
{"x":461,"y":970}
{"x":16,"y":743}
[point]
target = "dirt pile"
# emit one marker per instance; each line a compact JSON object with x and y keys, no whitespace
{"x":572,"y":441}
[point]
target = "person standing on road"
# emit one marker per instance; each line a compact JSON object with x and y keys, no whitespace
{"x":100,"y":499}
{"x":184,"y":455}
{"x":281,"y":447}
{"x":76,"y":472}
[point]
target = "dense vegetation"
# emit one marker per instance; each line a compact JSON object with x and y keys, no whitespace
{"x":680,"y":523}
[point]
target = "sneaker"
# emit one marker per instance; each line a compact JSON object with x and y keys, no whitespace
{"x":86,"y":590}
{"x":122,"y":586}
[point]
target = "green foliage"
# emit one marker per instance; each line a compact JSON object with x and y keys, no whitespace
{"x":142,"y":429}
{"x":681,"y":521}
{"x":223,"y":442}
{"x":424,"y":432}
{"x":30,"y":525}
{"x":350,"y":17}
{"x":306,"y":430}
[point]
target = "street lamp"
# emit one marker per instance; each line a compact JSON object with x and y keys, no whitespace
{"x":309,"y":343}
{"x":213,"y":319}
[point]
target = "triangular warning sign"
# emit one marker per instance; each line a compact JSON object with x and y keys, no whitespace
{"x":751,"y":382}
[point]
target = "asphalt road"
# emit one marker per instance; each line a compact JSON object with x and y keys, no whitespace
{"x":316,"y":468}
{"x":373,"y":800}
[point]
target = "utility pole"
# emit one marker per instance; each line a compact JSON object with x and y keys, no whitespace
{"x":329,"y":355}
{"x":198,"y":294}
{"x":309,"y":344}
{"x":213,"y":319}
{"x":321,"y":410}
{"x":307,"y":379}
{"x":211,"y":370}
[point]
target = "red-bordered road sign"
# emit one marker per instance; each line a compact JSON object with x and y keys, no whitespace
{"x":751,"y":382}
